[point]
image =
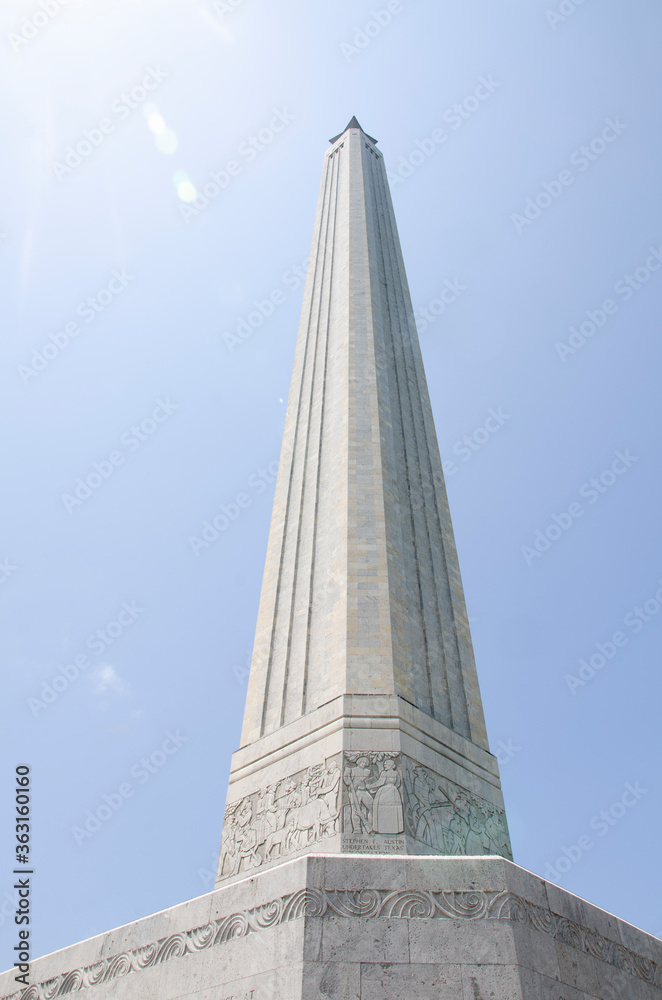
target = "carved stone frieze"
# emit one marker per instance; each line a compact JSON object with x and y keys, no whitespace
{"x":450,"y":819}
{"x":285,"y":817}
{"x":499,"y":905}
{"x":375,"y":801}
{"x":387,"y":795}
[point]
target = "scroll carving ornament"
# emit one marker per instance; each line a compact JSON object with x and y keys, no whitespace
{"x":314,"y":902}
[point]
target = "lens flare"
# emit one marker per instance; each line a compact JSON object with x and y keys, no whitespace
{"x":184,"y":185}
{"x":186,"y":191}
{"x":156,"y":123}
{"x":167,"y":142}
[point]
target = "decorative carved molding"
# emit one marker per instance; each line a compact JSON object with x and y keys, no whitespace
{"x":366,"y":903}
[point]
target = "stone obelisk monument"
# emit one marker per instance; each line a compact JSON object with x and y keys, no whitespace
{"x":365,"y":853}
{"x":364,"y":729}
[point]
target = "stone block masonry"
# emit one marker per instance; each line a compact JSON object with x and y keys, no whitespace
{"x":353,"y":927}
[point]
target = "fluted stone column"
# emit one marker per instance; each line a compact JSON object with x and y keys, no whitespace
{"x":363,"y":728}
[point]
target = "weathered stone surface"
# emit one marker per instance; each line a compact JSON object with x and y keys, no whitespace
{"x":355,"y":927}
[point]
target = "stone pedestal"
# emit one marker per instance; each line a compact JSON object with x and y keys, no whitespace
{"x":361,"y":775}
{"x":353,"y":927}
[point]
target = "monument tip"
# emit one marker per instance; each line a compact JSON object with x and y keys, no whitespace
{"x":353,"y":124}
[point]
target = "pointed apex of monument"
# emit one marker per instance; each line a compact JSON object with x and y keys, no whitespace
{"x":353,"y":124}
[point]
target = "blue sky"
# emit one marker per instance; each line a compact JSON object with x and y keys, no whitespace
{"x":524,"y":153}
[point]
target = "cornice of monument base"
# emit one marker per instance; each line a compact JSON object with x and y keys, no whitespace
{"x":535,"y":939}
{"x":365,"y":712}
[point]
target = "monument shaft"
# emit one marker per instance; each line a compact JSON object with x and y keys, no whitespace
{"x":363,"y":726}
{"x":362,"y":590}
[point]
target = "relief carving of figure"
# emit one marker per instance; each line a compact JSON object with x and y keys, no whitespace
{"x":360,"y":800}
{"x":229,"y":854}
{"x":450,"y":819}
{"x":284,"y":817}
{"x":239,"y":839}
{"x":496,"y":832}
{"x":246,"y":835}
{"x":329,"y":793}
{"x":266,"y":814}
{"x":387,"y":811}
{"x":427,"y":809}
{"x":287,"y":798}
{"x":310,"y":817}
{"x":374,"y":797}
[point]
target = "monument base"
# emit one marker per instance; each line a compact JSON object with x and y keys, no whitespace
{"x":364,"y":928}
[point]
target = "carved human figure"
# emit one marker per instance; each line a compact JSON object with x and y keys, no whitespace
{"x":495,"y":832}
{"x":246,"y":834}
{"x":286,"y":797}
{"x":458,"y":828}
{"x":431,"y":813}
{"x":308,"y":785}
{"x":387,"y":810}
{"x":329,"y":792}
{"x":466,"y":830}
{"x":230,"y":858}
{"x":266,"y":816}
{"x":360,"y":799}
